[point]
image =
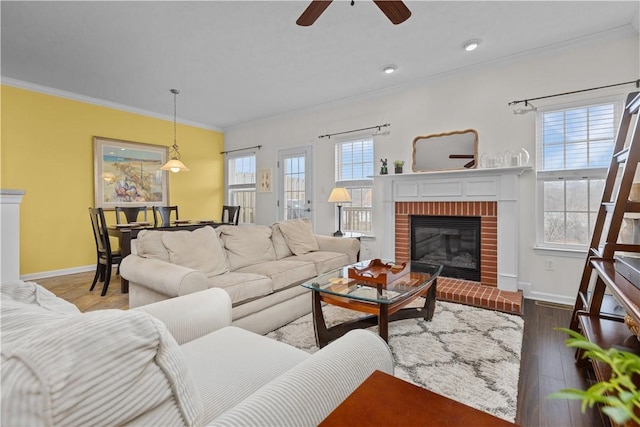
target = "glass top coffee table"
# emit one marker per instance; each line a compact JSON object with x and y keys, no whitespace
{"x":379,"y":288}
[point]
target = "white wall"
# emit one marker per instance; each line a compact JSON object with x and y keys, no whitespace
{"x":475,"y":98}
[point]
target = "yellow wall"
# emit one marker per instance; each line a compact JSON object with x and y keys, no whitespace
{"x":47,"y":150}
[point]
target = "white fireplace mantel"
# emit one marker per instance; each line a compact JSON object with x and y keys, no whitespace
{"x":499,"y":185}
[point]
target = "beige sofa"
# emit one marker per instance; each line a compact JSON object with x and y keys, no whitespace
{"x":260,"y":267}
{"x":172,"y":363}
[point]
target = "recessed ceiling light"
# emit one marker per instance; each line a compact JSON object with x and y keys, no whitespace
{"x":471,"y":45}
{"x":388,"y":69}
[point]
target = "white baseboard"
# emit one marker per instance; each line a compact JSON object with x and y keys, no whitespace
{"x":554,"y":298}
{"x":525,"y":287}
{"x":55,"y":273}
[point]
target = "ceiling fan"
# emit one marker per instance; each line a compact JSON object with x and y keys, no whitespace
{"x":396,"y":11}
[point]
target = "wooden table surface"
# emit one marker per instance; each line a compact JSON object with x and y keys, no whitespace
{"x":384,"y":400}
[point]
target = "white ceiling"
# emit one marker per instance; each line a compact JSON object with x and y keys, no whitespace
{"x":238,"y":61}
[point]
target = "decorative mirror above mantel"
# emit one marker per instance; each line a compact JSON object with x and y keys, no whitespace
{"x":445,"y":151}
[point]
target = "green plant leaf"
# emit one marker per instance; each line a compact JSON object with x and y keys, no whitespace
{"x":619,"y":415}
{"x":619,"y":395}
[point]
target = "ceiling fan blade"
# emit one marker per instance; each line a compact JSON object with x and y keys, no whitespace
{"x":313,"y":12}
{"x":396,"y":11}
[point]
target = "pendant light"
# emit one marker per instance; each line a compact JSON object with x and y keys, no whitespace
{"x":174,"y":164}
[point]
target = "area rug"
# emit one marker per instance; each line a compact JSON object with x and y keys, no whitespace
{"x":467,"y":354}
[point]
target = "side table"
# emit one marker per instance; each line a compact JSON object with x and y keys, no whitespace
{"x":384,"y":400}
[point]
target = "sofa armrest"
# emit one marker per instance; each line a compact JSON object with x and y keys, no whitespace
{"x":308,"y":392}
{"x":163,"y":277}
{"x":191,"y":316}
{"x":348,"y":246}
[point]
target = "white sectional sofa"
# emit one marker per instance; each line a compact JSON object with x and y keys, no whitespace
{"x":172,"y":363}
{"x":260,"y":267}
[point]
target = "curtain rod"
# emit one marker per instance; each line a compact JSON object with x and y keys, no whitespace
{"x":241,"y":149}
{"x":329,"y":135}
{"x":526,"y":101}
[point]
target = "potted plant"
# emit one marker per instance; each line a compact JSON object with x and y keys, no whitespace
{"x":398,"y":164}
{"x":383,"y":168}
{"x":619,"y":396}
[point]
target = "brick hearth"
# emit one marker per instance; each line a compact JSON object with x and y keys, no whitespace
{"x":484,"y":294}
{"x":473,"y":293}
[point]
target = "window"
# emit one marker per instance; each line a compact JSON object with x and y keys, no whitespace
{"x":241,"y":182}
{"x":354,"y":168}
{"x":574,"y":147}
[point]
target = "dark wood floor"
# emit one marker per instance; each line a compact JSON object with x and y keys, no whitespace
{"x":547,"y":365}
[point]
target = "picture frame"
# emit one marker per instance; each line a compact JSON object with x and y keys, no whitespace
{"x":127,"y":173}
{"x":264,"y":180}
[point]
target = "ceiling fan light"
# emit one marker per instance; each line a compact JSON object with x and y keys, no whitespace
{"x":388,"y":69}
{"x":471,"y":45}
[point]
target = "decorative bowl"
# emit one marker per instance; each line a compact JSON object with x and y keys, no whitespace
{"x":633,"y":326}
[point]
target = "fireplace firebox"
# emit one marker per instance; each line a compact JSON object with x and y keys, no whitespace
{"x":452,"y":241}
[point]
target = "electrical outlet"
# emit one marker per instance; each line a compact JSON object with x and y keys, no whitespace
{"x":549,"y":265}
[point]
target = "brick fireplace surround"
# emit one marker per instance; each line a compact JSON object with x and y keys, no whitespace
{"x":483,"y":294}
{"x":492,"y":195}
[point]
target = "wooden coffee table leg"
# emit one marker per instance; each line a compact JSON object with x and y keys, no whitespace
{"x":319,"y":324}
{"x":430,"y":301}
{"x":383,"y":322}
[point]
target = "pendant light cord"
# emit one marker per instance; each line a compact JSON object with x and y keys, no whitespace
{"x":176,"y":153}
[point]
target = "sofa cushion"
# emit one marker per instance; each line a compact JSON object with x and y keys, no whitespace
{"x":78,"y":370}
{"x":283,"y":273}
{"x":279,"y":243}
{"x":247,"y":244}
{"x":242,"y":286}
{"x":27,"y":307}
{"x":199,"y":249}
{"x":325,"y":261}
{"x":149,"y":245}
{"x":241,"y":363}
{"x":34,"y":295}
{"x":299,"y":236}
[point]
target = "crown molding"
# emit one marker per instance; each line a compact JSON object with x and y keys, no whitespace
{"x":99,"y":102}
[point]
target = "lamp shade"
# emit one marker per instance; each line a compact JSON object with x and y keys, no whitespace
{"x":174,"y":165}
{"x":339,"y":195}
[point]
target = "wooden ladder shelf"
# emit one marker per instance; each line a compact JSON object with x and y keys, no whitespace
{"x":607,"y":329}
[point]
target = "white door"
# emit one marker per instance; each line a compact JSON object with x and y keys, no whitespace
{"x":294,"y":178}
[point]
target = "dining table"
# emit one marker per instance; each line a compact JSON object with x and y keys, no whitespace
{"x":127,"y":232}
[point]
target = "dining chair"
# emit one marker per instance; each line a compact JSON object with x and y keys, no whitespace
{"x":106,"y":257}
{"x":131,"y":213}
{"x":162,"y":215}
{"x":230,"y":214}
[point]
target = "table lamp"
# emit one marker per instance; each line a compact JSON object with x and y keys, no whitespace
{"x":339,"y":195}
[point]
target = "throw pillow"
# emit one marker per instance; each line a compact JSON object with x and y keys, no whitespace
{"x":149,"y":245}
{"x":32,"y":293}
{"x":199,"y":249}
{"x":28,"y":307}
{"x":299,"y":236}
{"x":247,"y":244}
{"x":279,"y":244}
{"x":51,"y":375}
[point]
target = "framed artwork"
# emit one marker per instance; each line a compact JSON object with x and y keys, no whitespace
{"x":128,"y":173}
{"x":264,"y":180}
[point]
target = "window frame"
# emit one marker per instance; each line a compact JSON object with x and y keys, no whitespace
{"x":248,"y":187}
{"x":360,"y":183}
{"x":567,"y":175}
